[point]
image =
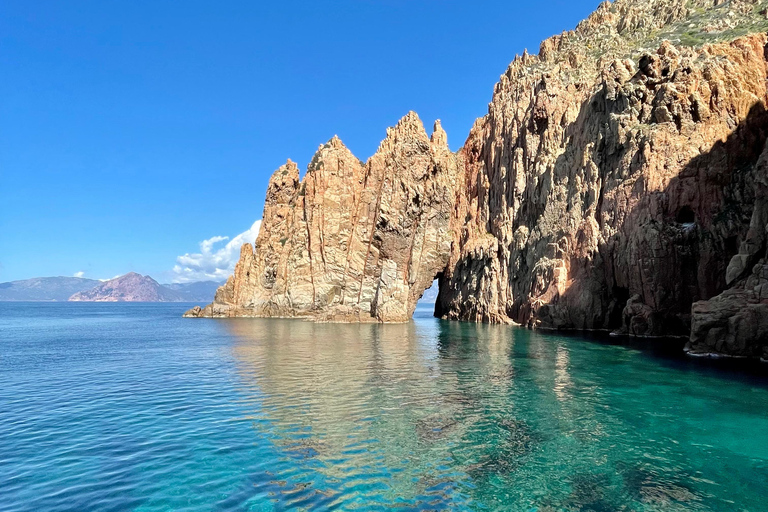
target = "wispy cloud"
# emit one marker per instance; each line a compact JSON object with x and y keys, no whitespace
{"x":79,"y":274}
{"x":214,"y":262}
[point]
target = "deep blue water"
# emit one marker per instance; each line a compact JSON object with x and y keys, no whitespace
{"x":131,"y":407}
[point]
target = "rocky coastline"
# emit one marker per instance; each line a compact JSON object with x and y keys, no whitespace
{"x":618,"y":182}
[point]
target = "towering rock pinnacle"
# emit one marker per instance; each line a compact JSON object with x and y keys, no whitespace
{"x":351,"y":241}
{"x":439,"y":138}
{"x":614,"y":183}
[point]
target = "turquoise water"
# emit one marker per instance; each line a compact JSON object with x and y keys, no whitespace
{"x":130,"y":407}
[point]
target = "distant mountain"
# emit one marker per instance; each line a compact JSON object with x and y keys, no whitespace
{"x":131,"y":287}
{"x":44,"y":288}
{"x":195,"y":292}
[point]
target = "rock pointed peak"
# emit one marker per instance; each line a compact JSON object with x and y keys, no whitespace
{"x":410,"y":118}
{"x":333,"y":147}
{"x":246,"y":250}
{"x":408,"y":129}
{"x":333,"y":144}
{"x":287,"y":175}
{"x":336,"y":142}
{"x":283,"y":183}
{"x":439,"y":137}
{"x":289,"y":168}
{"x":409,"y":122}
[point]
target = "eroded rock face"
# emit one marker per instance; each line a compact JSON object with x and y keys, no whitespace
{"x":602,"y":192}
{"x":612,"y":184}
{"x":577,"y":196}
{"x":351,"y":241}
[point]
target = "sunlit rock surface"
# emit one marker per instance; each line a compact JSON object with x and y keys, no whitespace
{"x":612,"y":184}
{"x":351,"y":241}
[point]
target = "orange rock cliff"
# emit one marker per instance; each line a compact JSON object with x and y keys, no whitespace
{"x":618,"y":181}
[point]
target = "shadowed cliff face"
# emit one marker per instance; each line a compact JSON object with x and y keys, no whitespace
{"x":610,"y":186}
{"x":575,"y":202}
{"x":735,"y":322}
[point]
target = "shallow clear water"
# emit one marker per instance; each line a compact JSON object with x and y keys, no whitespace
{"x":130,"y":407}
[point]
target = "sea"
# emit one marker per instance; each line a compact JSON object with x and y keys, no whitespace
{"x":118,"y":407}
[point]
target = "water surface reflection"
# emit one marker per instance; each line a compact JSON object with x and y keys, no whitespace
{"x":438,"y":414}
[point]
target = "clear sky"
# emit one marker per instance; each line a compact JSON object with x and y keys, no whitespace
{"x":132,"y":131}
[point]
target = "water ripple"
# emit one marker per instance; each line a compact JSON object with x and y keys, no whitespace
{"x":129,"y":407}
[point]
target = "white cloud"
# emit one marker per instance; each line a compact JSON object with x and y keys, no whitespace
{"x":214,"y":262}
{"x":79,"y":274}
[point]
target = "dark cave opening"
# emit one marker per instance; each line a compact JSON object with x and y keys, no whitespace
{"x":685,"y":215}
{"x":615,"y":316}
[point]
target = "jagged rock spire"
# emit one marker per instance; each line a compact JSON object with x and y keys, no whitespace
{"x":439,"y":137}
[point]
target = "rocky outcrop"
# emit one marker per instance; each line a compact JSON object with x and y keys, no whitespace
{"x":610,"y":186}
{"x":131,"y":287}
{"x":578,"y":197}
{"x":350,"y":241}
{"x":606,"y":192}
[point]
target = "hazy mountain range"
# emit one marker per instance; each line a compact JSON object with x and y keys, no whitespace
{"x":131,"y":287}
{"x":45,"y":288}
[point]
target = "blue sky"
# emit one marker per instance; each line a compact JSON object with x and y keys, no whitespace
{"x":132,"y":131}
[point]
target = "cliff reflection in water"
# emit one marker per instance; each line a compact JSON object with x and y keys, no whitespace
{"x":376,"y":402}
{"x":445,"y":414}
{"x":420,"y":408}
